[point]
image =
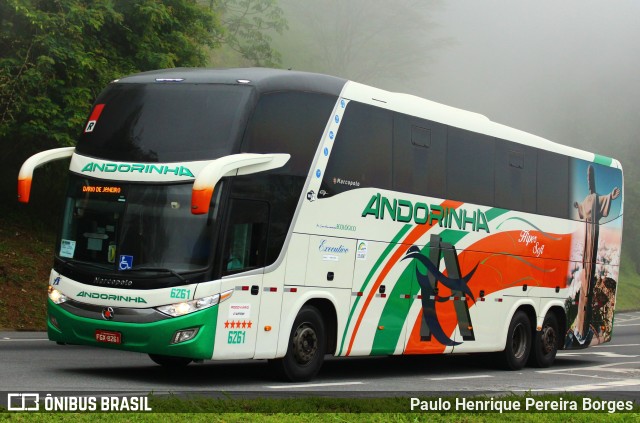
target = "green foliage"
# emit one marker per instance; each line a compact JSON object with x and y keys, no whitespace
{"x":58,"y":54}
{"x":249,"y":25}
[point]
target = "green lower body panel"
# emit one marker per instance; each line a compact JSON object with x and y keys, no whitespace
{"x":150,"y":338}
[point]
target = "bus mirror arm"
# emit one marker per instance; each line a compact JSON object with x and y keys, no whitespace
{"x":233,"y":165}
{"x":26,"y":171}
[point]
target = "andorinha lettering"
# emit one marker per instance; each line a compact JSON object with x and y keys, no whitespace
{"x":98,"y":296}
{"x":137,"y":167}
{"x":421,"y":213}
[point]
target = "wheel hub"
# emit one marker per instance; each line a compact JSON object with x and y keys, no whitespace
{"x":305,"y":344}
{"x":548,"y":337}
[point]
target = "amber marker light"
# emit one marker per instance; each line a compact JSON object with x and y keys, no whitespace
{"x":24,"y":189}
{"x":267,"y":328}
{"x":200,"y":200}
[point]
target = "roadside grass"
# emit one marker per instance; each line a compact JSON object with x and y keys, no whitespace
{"x":26,"y":254}
{"x":628,"y":295}
{"x":322,"y":409}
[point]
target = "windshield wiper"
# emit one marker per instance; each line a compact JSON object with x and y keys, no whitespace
{"x":157,"y":269}
{"x":75,"y":263}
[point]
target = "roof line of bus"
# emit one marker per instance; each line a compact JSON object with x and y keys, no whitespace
{"x":463,"y":119}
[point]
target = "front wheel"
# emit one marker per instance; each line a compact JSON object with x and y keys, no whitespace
{"x":518,"y":347}
{"x":307,"y":347}
{"x":170,"y":362}
{"x":545,"y":343}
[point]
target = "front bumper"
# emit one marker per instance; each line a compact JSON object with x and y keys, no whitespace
{"x":150,"y":338}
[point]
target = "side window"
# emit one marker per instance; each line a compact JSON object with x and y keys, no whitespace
{"x":553,"y":184}
{"x":515,"y":176}
{"x":245,"y":240}
{"x":419,"y":153}
{"x":470,"y":167}
{"x":289,"y":122}
{"x":362,"y":151}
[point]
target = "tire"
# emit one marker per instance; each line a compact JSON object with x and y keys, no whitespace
{"x":306,"y":349}
{"x":545,"y":343}
{"x":170,"y":362}
{"x":518,"y":347}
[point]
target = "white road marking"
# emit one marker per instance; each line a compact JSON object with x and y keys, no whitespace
{"x":624,"y":325}
{"x":459,"y":377}
{"x":595,"y":386}
{"x":313,"y":385}
{"x":600,"y":368}
{"x":615,"y":345}
{"x":598,"y":353}
{"x":22,"y":340}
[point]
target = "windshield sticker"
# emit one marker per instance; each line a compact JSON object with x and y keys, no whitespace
{"x":125,"y":263}
{"x":67,"y":248}
{"x":93,"y":119}
{"x":111,"y":253}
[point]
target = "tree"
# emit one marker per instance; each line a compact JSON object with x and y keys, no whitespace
{"x":371,"y":41}
{"x":57,"y":55}
{"x":249,"y":25}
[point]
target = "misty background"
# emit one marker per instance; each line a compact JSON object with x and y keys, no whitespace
{"x":567,"y":71}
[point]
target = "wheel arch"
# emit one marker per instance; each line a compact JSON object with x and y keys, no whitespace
{"x":530,"y":310}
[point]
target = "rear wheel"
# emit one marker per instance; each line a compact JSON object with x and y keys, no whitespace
{"x":518,"y":347}
{"x":307,"y":347}
{"x":170,"y":362}
{"x":545,"y":343}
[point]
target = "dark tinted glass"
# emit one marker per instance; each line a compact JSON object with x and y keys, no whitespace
{"x":419,"y":156}
{"x":515,"y":176}
{"x":553,"y":184}
{"x":283,"y":122}
{"x":470,"y":167}
{"x":246,"y":235}
{"x":361,"y":154}
{"x":289,"y":122}
{"x":166,"y":122}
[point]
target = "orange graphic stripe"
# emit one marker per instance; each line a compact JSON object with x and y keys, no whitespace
{"x":411,"y":238}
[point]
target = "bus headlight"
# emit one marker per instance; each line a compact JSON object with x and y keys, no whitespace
{"x":56,"y":296}
{"x":186,"y":307}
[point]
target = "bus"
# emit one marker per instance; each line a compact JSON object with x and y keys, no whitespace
{"x":283,"y":216}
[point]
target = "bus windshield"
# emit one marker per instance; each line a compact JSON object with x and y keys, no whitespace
{"x":125,"y":226}
{"x":165,"y":122}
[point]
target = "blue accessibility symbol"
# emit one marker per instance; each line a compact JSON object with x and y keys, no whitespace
{"x":125,"y":263}
{"x":56,"y":281}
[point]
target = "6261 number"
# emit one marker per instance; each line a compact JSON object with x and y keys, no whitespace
{"x":180,"y":293}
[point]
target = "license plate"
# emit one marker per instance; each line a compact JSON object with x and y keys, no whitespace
{"x":108,"y":337}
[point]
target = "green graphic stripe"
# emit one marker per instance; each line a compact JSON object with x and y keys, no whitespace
{"x":546,"y":235}
{"x":373,"y":271}
{"x":495,"y":213}
{"x":396,"y":309}
{"x":603,"y":160}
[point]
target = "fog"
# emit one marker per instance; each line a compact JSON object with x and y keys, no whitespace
{"x":567,"y":71}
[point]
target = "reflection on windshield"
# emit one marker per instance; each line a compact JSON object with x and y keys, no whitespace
{"x":128,"y":226}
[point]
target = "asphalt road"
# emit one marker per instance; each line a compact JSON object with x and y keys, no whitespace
{"x":31,"y":363}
